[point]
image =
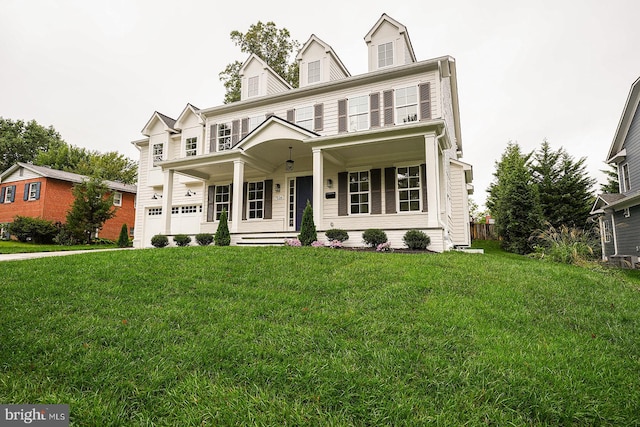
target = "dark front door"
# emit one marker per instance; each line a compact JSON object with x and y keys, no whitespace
{"x":304,"y":192}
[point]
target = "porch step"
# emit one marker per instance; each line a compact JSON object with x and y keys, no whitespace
{"x":265,"y":240}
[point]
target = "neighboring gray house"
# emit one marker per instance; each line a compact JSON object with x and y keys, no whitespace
{"x":619,"y":214}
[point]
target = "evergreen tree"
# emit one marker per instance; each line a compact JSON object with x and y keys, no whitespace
{"x":308,"y":233}
{"x":91,"y":208}
{"x":612,"y":185}
{"x":223,"y":237}
{"x":513,"y":200}
{"x":123,"y":238}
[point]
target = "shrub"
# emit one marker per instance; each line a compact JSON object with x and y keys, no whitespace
{"x":204,"y":239}
{"x":308,"y":233}
{"x":416,"y":239}
{"x":123,"y":238}
{"x":566,"y":245}
{"x":335,"y":244}
{"x":182,"y":240}
{"x":37,"y":230}
{"x":337,"y":234}
{"x":65,"y":237}
{"x":222,"y":237}
{"x":292,"y":242}
{"x":102,"y":241}
{"x":317,"y":244}
{"x":159,"y":241}
{"x":374,"y":236}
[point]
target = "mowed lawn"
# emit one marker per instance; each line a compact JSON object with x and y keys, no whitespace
{"x":312,"y":336}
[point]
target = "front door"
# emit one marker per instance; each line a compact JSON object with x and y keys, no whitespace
{"x":304,"y":192}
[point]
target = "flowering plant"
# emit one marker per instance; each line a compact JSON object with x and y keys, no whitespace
{"x":384,"y":247}
{"x":292,"y":242}
{"x":317,"y":244}
{"x":335,"y":244}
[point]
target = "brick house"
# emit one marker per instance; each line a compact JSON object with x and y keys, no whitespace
{"x":42,"y":192}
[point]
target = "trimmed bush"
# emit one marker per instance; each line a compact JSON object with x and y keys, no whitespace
{"x":308,"y":233}
{"x":416,"y":239}
{"x":374,"y":237}
{"x":123,"y":238}
{"x":160,"y":241}
{"x":222,"y":237}
{"x":181,"y":240}
{"x":336,"y":234}
{"x":37,"y":230}
{"x":204,"y":239}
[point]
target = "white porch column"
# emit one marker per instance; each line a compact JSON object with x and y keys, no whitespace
{"x":433,"y":179}
{"x":167,"y":200}
{"x":238,"y":180}
{"x":318,"y":186}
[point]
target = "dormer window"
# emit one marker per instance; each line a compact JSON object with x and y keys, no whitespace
{"x":314,"y":71}
{"x":254,"y":86}
{"x":385,"y":54}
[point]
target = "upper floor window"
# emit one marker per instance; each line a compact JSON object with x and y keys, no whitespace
{"x":158,"y":153}
{"x":8,"y":194}
{"x":359,"y":192}
{"x":254,"y":86}
{"x":407,"y":104}
{"x":224,"y":136}
{"x":385,"y":54}
{"x":117,"y":199}
{"x":625,"y":178}
{"x":191,"y":147}
{"x":304,"y":117}
{"x":32,"y":191}
{"x":359,"y":113}
{"x":409,"y":188}
{"x":255,"y":197}
{"x":314,"y":71}
{"x":254,"y":122}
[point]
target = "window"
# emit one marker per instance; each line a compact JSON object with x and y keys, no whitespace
{"x":625,"y":178}
{"x":117,"y":199}
{"x":254,"y":86}
{"x":175,"y":210}
{"x":359,"y":192}
{"x":606,"y":232}
{"x":292,"y":202}
{"x":314,"y":71}
{"x":191,"y":209}
{"x":304,"y":117}
{"x":223,"y":196}
{"x":191,"y":147}
{"x":32,"y":193}
{"x":385,"y":55}
{"x":254,"y":122}
{"x":10,"y":194}
{"x":359,"y":113}
{"x":155,"y":211}
{"x":407,"y":104}
{"x":626,"y":212}
{"x":255,"y":196}
{"x":409,"y":188}
{"x":224,"y":136}
{"x":158,"y":153}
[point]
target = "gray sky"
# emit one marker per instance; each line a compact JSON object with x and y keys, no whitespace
{"x":96,"y":71}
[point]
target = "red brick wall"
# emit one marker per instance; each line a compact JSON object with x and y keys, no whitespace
{"x":32,"y":208}
{"x":125,"y":214}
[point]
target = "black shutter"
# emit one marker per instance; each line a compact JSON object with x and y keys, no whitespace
{"x":38,"y":190}
{"x":2,"y":192}
{"x":343,"y":202}
{"x":211,"y":203}
{"x":387,"y":100}
{"x":25,"y":197}
{"x":212,"y":139}
{"x":425,"y":101}
{"x":13,"y":193}
{"x":318,"y":117}
{"x":376,"y":194}
{"x":291,"y":115}
{"x":423,"y":182}
{"x":342,"y":115}
{"x":374,"y":109}
{"x":245,"y":186}
{"x":244,"y":127}
{"x":230,"y":202}
{"x":235,"y":125}
{"x":268,"y":196}
{"x":390,"y":190}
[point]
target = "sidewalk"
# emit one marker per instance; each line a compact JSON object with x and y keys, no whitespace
{"x":33,"y":255}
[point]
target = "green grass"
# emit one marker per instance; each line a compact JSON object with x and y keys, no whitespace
{"x":312,"y":336}
{"x":15,"y":247}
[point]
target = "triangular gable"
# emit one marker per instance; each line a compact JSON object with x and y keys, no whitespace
{"x":274,"y":128}
{"x":401,"y":29}
{"x":628,"y":113}
{"x":327,"y":48}
{"x":265,"y":66}
{"x":603,"y":201}
{"x":168,"y":123}
{"x":189,"y":110}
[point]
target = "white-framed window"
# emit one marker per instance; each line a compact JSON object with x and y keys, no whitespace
{"x":10,"y":194}
{"x":224,"y":136}
{"x":304,"y":117}
{"x":254,"y":86}
{"x":154,"y":211}
{"x":314,"y":71}
{"x":158,"y":153}
{"x":222,"y":200}
{"x":606,"y":232}
{"x":626,"y":212}
{"x":191,"y":147}
{"x":117,"y":198}
{"x":359,"y":192}
{"x":406,"y":104}
{"x":385,"y":54}
{"x":33,"y":191}
{"x":254,"y":122}
{"x":409,"y":188}
{"x":255,"y":197}
{"x":292,"y":203}
{"x":359,"y":113}
{"x":625,"y":178}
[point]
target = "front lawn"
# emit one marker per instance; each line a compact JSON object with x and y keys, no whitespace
{"x":15,"y":247}
{"x":313,"y":336}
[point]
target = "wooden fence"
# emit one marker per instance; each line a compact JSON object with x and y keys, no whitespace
{"x":483,"y":231}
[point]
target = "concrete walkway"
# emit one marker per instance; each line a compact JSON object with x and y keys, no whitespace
{"x":32,"y":255}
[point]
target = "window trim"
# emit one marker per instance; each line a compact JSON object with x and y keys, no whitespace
{"x":309,"y":120}
{"x":191,"y":146}
{"x":119,"y":200}
{"x":33,"y":191}
{"x":253,"y":86}
{"x":226,"y":144}
{"x":385,"y":51}
{"x":408,"y":189}
{"x":155,"y":157}
{"x":367,"y":192}
{"x":252,"y":203}
{"x":397,"y":105}
{"x":217,"y":213}
{"x":317,"y":77}
{"x":366,"y":105}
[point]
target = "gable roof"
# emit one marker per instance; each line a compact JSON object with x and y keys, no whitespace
{"x":265,"y":66}
{"x":189,"y":109}
{"x":327,"y":48}
{"x":628,"y":113}
{"x":401,"y":29}
{"x":167,"y":121}
{"x":47,"y":172}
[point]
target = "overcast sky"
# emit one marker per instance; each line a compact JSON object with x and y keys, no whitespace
{"x":96,"y":71}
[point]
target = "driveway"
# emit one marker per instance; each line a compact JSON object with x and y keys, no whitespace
{"x":32,"y":255}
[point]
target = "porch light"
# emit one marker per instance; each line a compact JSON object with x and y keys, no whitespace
{"x":329,"y":183}
{"x":190,"y":193}
{"x":277,"y":188}
{"x":289,"y":163}
{"x":156,"y":196}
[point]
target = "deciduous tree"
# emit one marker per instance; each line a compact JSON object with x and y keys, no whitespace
{"x":22,"y":142}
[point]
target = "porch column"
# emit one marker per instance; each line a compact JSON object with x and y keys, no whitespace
{"x":238,"y":179}
{"x":433,"y":179}
{"x":318,"y":186}
{"x":167,"y":200}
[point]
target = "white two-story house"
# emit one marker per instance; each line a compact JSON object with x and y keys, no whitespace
{"x":376,"y":150}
